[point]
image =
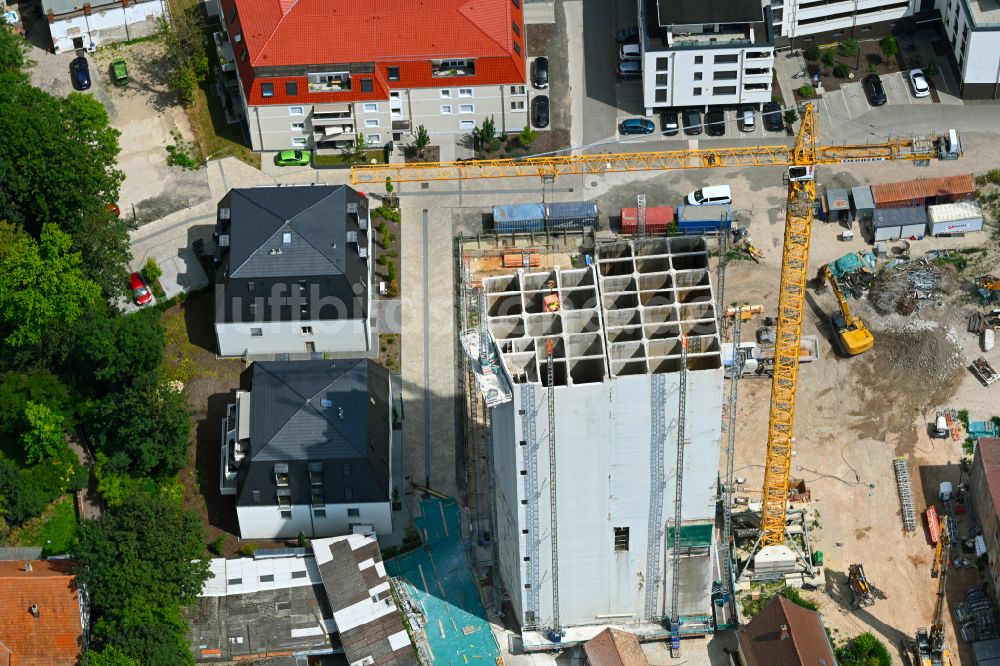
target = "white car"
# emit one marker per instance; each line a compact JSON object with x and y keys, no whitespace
{"x":919,"y":83}
{"x":629,"y":52}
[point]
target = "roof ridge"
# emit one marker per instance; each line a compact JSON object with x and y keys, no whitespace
{"x":262,"y":207}
{"x":304,"y":210}
{"x":274,"y":29}
{"x":786,"y":605}
{"x":330,"y":420}
{"x":264,"y":368}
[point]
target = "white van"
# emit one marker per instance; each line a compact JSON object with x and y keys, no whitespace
{"x":715,"y":194}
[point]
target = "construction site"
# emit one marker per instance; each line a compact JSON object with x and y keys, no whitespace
{"x":664,"y":427}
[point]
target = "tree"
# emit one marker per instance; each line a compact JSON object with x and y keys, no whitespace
{"x":933,"y":70}
{"x":142,"y":562}
{"x":183,"y":37}
{"x":113,"y":352}
{"x":849,"y":48}
{"x":889,"y":46}
{"x":44,"y":435}
{"x":143,"y":429}
{"x":791,"y":117}
{"x":151,"y":271}
{"x":841,"y":70}
{"x":42,"y":285}
{"x":14,"y":51}
{"x":358,"y":149}
{"x":487,"y":131}
{"x":17,"y":389}
{"x":109,"y":656}
{"x":807,"y":91}
{"x":391,"y":272}
{"x":827,"y":58}
{"x":527,"y":136}
{"x":389,"y":189}
{"x":864,"y":650}
{"x":811,"y":52}
{"x":422,"y":139}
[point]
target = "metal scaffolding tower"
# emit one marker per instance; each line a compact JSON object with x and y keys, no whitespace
{"x":657,"y":481}
{"x":532,"y":496}
{"x":727,"y":485}
{"x":905,"y":494}
{"x":720,"y":276}
{"x":675,"y":619}
{"x":553,"y":531}
{"x":641,"y":215}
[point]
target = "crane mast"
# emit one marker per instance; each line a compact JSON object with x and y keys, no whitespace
{"x":932,"y":646}
{"x":675,"y":587}
{"x":553,"y":532}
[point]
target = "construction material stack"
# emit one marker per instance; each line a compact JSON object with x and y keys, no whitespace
{"x":905,"y":494}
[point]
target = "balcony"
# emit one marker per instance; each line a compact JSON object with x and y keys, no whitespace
{"x":442,"y":68}
{"x":759,"y":55}
{"x":756,"y":87}
{"x":325,"y":82}
{"x":333,"y":131}
{"x":757,"y":71}
{"x":227,"y":61}
{"x":235,"y":442}
{"x":728,"y":38}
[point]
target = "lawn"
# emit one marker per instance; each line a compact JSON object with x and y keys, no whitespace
{"x":54,"y":530}
{"x":345,"y":159}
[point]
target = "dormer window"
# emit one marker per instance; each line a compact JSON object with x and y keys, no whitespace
{"x":281,"y":474}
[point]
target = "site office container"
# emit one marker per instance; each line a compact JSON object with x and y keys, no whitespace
{"x":699,"y":219}
{"x":658,"y":218}
{"x":954,"y":218}
{"x":571,"y":214}
{"x":895,"y":223}
{"x":924,"y":191}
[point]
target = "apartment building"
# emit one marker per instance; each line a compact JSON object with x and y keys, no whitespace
{"x":828,"y":20}
{"x":82,"y":24}
{"x":321,"y":73}
{"x":705,"y":54}
{"x":972,"y":28}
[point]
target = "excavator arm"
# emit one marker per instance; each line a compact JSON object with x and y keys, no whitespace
{"x":854,"y":336}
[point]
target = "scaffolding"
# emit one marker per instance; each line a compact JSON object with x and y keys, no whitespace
{"x":675,"y":586}
{"x":657,"y":481}
{"x":527,"y":393}
{"x":905,"y":494}
{"x":549,"y":347}
{"x":729,"y":426}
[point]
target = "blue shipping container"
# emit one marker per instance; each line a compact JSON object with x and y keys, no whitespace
{"x":699,"y":219}
{"x":518,"y":213}
{"x":578,"y":213}
{"x":517,"y":226}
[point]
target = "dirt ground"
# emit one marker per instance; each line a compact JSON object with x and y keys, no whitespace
{"x":854,"y":416}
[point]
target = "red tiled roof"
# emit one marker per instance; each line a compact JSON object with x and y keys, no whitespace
{"x":806,"y":643}
{"x":53,"y":638}
{"x":401,"y":33}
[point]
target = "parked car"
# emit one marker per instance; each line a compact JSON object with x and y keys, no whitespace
{"x":772,"y":117}
{"x":669,"y":124}
{"x":636,"y":126}
{"x":627,"y":34}
{"x":540,"y":74}
{"x":540,"y":111}
{"x":80,"y":71}
{"x":629,"y":69}
{"x":629,"y":52}
{"x":691,"y":119}
{"x":141,"y":294}
{"x":873,"y":88}
{"x":712,"y":195}
{"x":715,"y":121}
{"x":747,"y":119}
{"x":919,"y":83}
{"x":294,"y":157}
{"x":119,"y":73}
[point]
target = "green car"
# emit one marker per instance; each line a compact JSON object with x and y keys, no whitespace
{"x":292,"y":158}
{"x":119,"y":73}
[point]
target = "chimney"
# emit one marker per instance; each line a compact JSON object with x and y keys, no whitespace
{"x":784,"y":632}
{"x":34,"y":611}
{"x":27,"y":567}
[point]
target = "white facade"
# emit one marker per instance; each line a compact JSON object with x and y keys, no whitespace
{"x":267,"y":522}
{"x":103,"y":24}
{"x":800,"y":18}
{"x":973,"y":32}
{"x":709,"y":76}
{"x":293,"y":337}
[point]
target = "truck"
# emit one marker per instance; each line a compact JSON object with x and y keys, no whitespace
{"x":981,"y":368}
{"x":940,"y":430}
{"x":757,"y":363}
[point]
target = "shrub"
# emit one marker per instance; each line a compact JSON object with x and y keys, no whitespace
{"x":811,"y":52}
{"x":151,"y":271}
{"x":219,"y":544}
{"x":391,"y":271}
{"x":841,"y":70}
{"x":807,"y":91}
{"x":386,"y":213}
{"x":864,"y":650}
{"x":849,"y":48}
{"x":889,"y":46}
{"x":933,"y":69}
{"x":422,"y":139}
{"x":827,"y":58}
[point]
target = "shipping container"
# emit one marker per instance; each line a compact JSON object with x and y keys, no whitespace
{"x":699,"y":219}
{"x":837,"y":205}
{"x":862,"y":204}
{"x":658,"y":218}
{"x":571,"y":214}
{"x":954,"y":218}
{"x":895,"y":223}
{"x":518,"y":217}
{"x":924,"y":191}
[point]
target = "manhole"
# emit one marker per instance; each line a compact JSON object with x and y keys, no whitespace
{"x":593,"y":183}
{"x":425,"y":186}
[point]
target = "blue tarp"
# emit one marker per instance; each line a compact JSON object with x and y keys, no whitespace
{"x":852,"y":263}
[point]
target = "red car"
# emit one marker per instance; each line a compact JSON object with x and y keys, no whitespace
{"x":140,"y":292}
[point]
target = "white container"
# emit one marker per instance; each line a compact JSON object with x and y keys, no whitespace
{"x":986,"y":340}
{"x":954,"y":218}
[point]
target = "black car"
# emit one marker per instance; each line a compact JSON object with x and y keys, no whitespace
{"x":715,"y":121}
{"x":668,"y":123}
{"x":627,"y":35}
{"x":772,"y":115}
{"x":540,"y":111}
{"x":80,"y":71}
{"x":874,"y":90}
{"x":692,"y":121}
{"x":540,"y":77}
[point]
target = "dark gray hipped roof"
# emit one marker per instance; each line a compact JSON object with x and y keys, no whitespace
{"x":684,"y":12}
{"x":334,"y":412}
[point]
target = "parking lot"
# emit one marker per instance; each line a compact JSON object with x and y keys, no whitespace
{"x":850,"y":101}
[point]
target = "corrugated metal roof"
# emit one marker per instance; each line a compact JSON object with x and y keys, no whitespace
{"x":963,"y":210}
{"x":922,"y":188}
{"x":518,"y":212}
{"x":570,"y":209}
{"x":247,"y":575}
{"x":862,"y":198}
{"x":899,"y":217}
{"x":13,"y":553}
{"x":837,"y":199}
{"x":712,"y":213}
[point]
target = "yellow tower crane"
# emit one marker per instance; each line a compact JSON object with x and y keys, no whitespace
{"x":800,"y":161}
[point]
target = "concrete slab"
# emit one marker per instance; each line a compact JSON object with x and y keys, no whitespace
{"x":540,"y":12}
{"x":897,"y":89}
{"x":390,"y":315}
{"x":834,"y":105}
{"x":854,"y":96}
{"x":182,"y":272}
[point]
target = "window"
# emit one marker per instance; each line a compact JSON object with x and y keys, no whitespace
{"x":373,"y":139}
{"x":696,"y":92}
{"x":298,"y":574}
{"x":367,"y":85}
{"x":724,"y":90}
{"x":307,"y":330}
{"x":662,"y":79}
{"x":286,"y":238}
{"x":371,"y":107}
{"x":726,"y":57}
{"x":621,"y":538}
{"x":319,"y":513}
{"x":267,"y":89}
{"x":445,"y":94}
{"x":283,"y":605}
{"x":286,"y":515}
{"x":251,"y":287}
{"x":348,"y":493}
{"x":465,"y":92}
{"x":299,"y":143}
{"x":517,"y":105}
{"x":466,"y":108}
{"x":517,"y":48}
{"x":347,"y":469}
{"x":296,"y":111}
{"x":729,"y":75}
{"x":371,"y":122}
{"x":291,"y":88}
{"x":661,"y":95}
{"x":467,"y":124}
{"x":516,"y":3}
{"x":517,"y":90}
{"x":238,"y":37}
{"x":394,"y":73}
{"x":235,"y":581}
{"x":256,"y":332}
{"x":516,"y":28}
{"x":662,"y":64}
{"x":446,"y":109}
{"x":698,"y":60}
{"x":267,"y":578}
{"x":298,"y":127}
{"x":697,"y":76}
{"x":354,"y":513}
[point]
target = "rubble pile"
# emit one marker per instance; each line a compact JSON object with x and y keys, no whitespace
{"x":905,"y":287}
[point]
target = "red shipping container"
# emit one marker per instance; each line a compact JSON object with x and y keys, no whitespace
{"x":924,"y":191}
{"x":933,"y":528}
{"x":658,"y":218}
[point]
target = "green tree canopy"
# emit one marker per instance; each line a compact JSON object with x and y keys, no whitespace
{"x":42,"y":284}
{"x":109,"y":656}
{"x":13,"y":51}
{"x":17,"y":389}
{"x":143,"y":429}
{"x":864,"y":650}
{"x":184,"y":37}
{"x":142,"y":562}
{"x":45,"y":433}
{"x":111,"y":352}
